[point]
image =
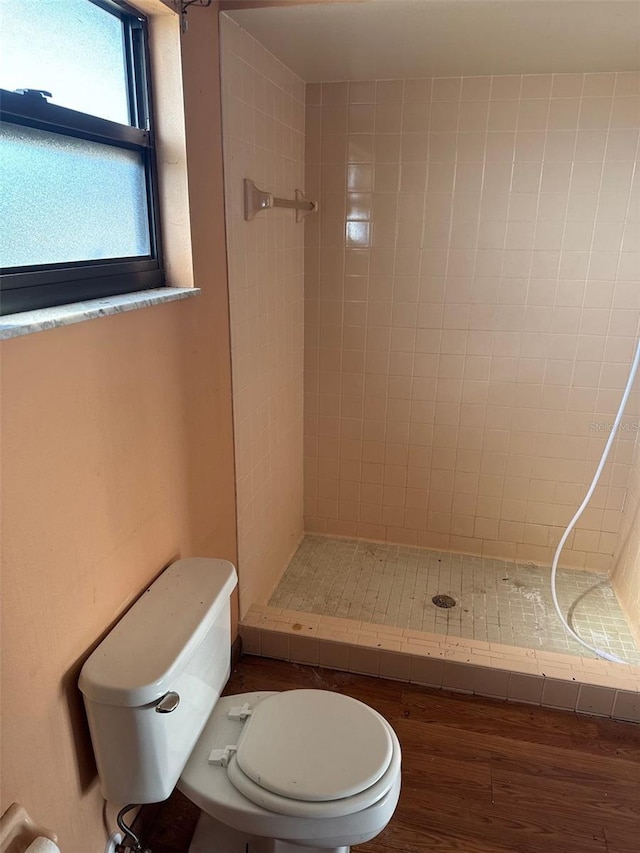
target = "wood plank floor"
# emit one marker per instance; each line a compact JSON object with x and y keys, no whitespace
{"x":479,"y":776}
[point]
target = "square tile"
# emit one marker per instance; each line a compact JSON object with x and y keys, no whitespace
{"x":626,"y":706}
{"x":250,"y":640}
{"x":427,"y":671}
{"x":491,"y":682}
{"x":333,"y":655}
{"x":525,"y":688}
{"x":394,"y":665}
{"x":560,"y":694}
{"x":274,"y":645}
{"x":303,"y":649}
{"x":595,"y":700}
{"x":458,"y":676}
{"x":364,"y":661}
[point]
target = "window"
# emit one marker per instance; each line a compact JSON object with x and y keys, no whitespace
{"x":78,"y":187}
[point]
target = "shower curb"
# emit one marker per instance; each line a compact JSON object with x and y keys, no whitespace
{"x":534,"y":677}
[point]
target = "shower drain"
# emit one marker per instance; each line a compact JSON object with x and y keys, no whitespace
{"x":443,"y":601}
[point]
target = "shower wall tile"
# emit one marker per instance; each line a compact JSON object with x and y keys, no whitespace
{"x":471,"y":306}
{"x":626,"y":573}
{"x":263,"y":129}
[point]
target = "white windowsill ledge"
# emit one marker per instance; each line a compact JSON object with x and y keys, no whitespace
{"x":28,"y":322}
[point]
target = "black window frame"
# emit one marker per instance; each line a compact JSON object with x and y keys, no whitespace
{"x":32,"y":287}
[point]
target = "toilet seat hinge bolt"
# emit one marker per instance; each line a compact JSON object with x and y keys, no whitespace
{"x":221,"y":757}
{"x":240,"y":712}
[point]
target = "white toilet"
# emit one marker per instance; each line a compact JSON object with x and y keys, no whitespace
{"x":272,"y":772}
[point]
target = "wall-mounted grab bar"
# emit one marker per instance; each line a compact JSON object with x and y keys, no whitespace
{"x":256,"y":200}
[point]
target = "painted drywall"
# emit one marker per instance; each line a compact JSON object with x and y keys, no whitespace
{"x":263,"y":121}
{"x":117,"y":458}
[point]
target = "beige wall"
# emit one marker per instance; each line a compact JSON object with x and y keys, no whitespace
{"x":117,"y":458}
{"x":263,"y":120}
{"x":626,"y":572}
{"x":471,"y":308}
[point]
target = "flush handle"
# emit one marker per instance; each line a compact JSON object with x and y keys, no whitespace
{"x":168,"y":703}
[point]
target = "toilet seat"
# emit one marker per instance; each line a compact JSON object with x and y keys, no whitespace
{"x":209,"y":786}
{"x":314,"y":753}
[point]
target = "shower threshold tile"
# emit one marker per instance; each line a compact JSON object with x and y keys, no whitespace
{"x":521,"y":675}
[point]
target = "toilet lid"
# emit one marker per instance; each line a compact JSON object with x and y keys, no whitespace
{"x":314,"y":745}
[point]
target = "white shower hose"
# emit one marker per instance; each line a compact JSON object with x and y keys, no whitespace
{"x":556,"y":557}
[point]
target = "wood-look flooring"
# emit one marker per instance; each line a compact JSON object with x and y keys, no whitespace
{"x":478,"y":775}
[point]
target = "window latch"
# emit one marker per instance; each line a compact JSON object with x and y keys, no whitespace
{"x":34,"y":93}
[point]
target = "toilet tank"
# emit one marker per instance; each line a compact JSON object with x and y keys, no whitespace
{"x":175,"y":639}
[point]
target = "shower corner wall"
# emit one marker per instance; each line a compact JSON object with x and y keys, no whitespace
{"x":625,"y":577}
{"x":263,"y":138}
{"x":471,"y":307}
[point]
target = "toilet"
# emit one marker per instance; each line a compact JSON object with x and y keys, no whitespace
{"x":272,"y":772}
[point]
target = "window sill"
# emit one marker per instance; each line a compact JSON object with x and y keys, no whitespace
{"x":29,"y":322}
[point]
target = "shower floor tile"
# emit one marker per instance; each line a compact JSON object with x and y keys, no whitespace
{"x":496,"y":601}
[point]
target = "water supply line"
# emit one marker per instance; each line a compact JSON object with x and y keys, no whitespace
{"x":556,"y":557}
{"x":130,"y":841}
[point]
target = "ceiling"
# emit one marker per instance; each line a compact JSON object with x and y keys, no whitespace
{"x":391,"y":39}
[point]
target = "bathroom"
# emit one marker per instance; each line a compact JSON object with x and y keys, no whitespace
{"x":121,"y":454}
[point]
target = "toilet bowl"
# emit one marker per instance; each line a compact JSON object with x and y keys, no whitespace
{"x":272,"y":772}
{"x":345,"y":802}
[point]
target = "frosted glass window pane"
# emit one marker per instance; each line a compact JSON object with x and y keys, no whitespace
{"x":70,"y":48}
{"x":65,"y":199}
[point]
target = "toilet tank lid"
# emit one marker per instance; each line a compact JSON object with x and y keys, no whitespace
{"x":142,"y":656}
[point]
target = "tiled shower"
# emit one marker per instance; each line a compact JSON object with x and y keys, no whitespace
{"x":471,"y":306}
